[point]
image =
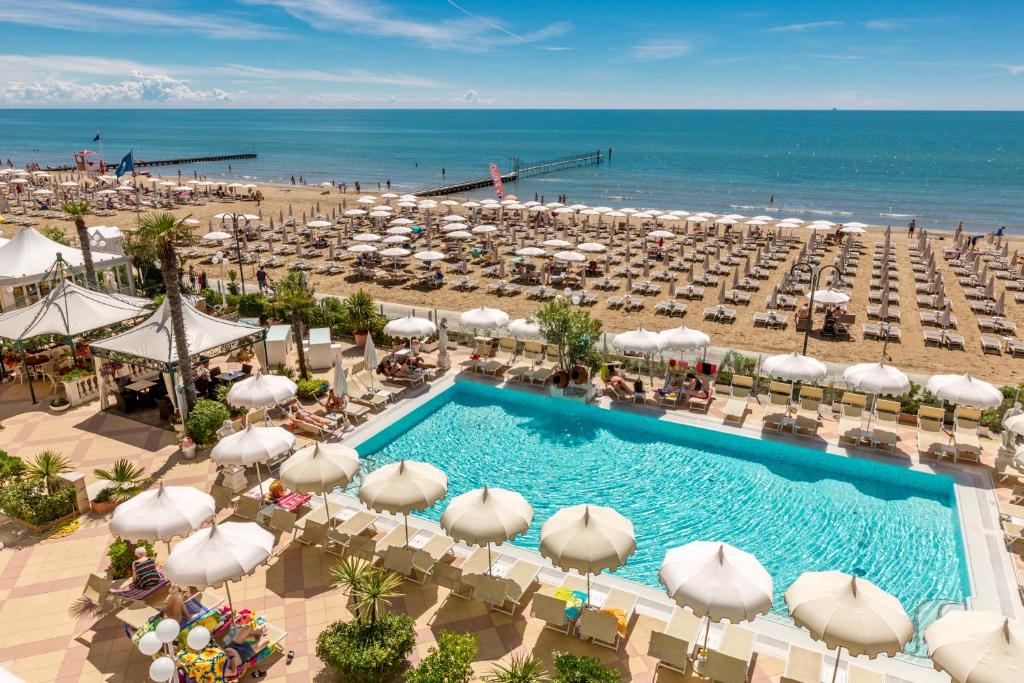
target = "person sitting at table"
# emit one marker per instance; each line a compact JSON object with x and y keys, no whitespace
{"x":296,"y":411}
{"x":334,"y":403}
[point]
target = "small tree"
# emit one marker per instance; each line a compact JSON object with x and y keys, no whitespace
{"x":294,"y":298}
{"x":359,"y":311}
{"x":573,"y":331}
{"x":123,"y":479}
{"x":371,"y":588}
{"x":52,"y":232}
{"x":449,"y":662}
{"x":77,"y":212}
{"x":520,"y":668}
{"x":45,"y":469}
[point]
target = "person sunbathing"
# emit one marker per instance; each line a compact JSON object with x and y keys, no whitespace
{"x":672,"y":385}
{"x":334,"y":403}
{"x":239,"y":646}
{"x":144,"y":571}
{"x":695,"y":387}
{"x":176,"y":608}
{"x":297,"y":412}
{"x":615,"y":381}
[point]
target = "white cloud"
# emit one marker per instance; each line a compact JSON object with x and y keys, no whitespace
{"x":351,"y":76}
{"x":473,"y":97}
{"x":139,"y":88}
{"x":810,"y":26}
{"x":658,"y":50}
{"x":26,"y":66}
{"x":114,"y":16}
{"x":1015,"y":69}
{"x":472,"y":33}
{"x":885,"y":24}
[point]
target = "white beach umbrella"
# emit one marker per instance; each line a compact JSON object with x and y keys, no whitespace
{"x":396,"y":239}
{"x":592,"y":247}
{"x":484,"y":229}
{"x":530,"y":251}
{"x":639,"y":341}
{"x":252,"y":446}
{"x":379,"y":213}
{"x":483,"y":318}
{"x":556,"y":243}
{"x":661,"y":234}
{"x":318,"y":224}
{"x":454,"y":217}
{"x":794,"y":366}
{"x":965,"y":390}
{"x":459,"y":235}
{"x":523,"y":327}
{"x":717,"y":581}
{"x":852,"y":230}
{"x":395,"y":252}
{"x":320,"y":468}
{"x":877,"y":378}
{"x":830,"y":296}
{"x":261,"y":391}
{"x":844,"y":611}
{"x":367,"y":199}
{"x":684,"y":338}
{"x":977,"y":646}
{"x":355,"y":213}
{"x":819,"y":227}
{"x":362,"y":248}
{"x":410,"y":327}
{"x":403,"y":487}
{"x":484,"y":516}
{"x":428,"y":256}
{"x":162,"y":513}
{"x":401,"y":222}
{"x":366,"y":237}
{"x":216,"y":236}
{"x":399,"y":231}
{"x":570,"y":256}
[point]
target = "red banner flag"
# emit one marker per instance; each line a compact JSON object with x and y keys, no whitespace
{"x":499,"y":188}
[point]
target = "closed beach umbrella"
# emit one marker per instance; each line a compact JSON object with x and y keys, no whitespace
{"x":403,"y":487}
{"x":684,"y":338}
{"x":370,"y":357}
{"x":587,"y":538}
{"x":340,"y":381}
{"x":483,"y":318}
{"x":977,"y":647}
{"x":523,"y":327}
{"x":485,"y":516}
{"x":965,"y":390}
{"x":162,"y":513}
{"x":261,"y":391}
{"x":410,"y":327}
{"x":848,"y":612}
{"x":795,"y":367}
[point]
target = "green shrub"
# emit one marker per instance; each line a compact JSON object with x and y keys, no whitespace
{"x":26,"y":502}
{"x":577,"y":669}
{"x":520,"y":668}
{"x":105,"y":495}
{"x":56,"y":234}
{"x":310,"y":388}
{"x":11,"y":468}
{"x":735,"y":363}
{"x":448,"y":662}
{"x":286,"y":371}
{"x":252,"y":305}
{"x":122,"y":553}
{"x":212,"y":298}
{"x":993,"y":417}
{"x":73,"y":374}
{"x":205,"y":419}
{"x":367,"y":652}
{"x":59,"y":402}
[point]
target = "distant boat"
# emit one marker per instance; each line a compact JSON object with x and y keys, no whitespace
{"x":835,"y":109}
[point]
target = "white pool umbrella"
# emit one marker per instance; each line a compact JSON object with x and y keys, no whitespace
{"x":523,"y":327}
{"x":251,"y":446}
{"x":261,"y":391}
{"x":638,"y":341}
{"x":403,"y":487}
{"x":483,"y":318}
{"x":977,"y":647}
{"x":162,"y":513}
{"x":830,"y":296}
{"x":965,"y":390}
{"x":319,"y":468}
{"x":485,"y":516}
{"x":684,"y":338}
{"x":410,"y":327}
{"x":795,"y":367}
{"x":848,"y":612}
{"x":587,"y":538}
{"x":877,"y":378}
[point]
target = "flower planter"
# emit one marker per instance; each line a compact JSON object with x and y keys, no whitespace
{"x":360,"y":338}
{"x":60,"y":409}
{"x":102,"y":508}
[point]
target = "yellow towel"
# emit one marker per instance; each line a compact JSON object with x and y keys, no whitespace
{"x":620,"y":617}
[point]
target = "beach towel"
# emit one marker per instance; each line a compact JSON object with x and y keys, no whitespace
{"x":620,"y":618}
{"x":574,"y":601}
{"x":210,"y":665}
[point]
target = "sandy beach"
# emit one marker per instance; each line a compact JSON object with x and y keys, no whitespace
{"x":910,"y":354}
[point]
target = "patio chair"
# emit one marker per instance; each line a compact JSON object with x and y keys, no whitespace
{"x":399,"y":559}
{"x":802,"y":666}
{"x":282,"y":521}
{"x":222,"y":497}
{"x":931,"y":440}
{"x":313,"y":533}
{"x":851,"y":418}
{"x":547,"y":367}
{"x":673,"y":646}
{"x":730,"y":661}
{"x":807,"y":411}
{"x":603,"y":626}
{"x":248,"y":508}
{"x":451,"y":576}
{"x":520,"y":580}
{"x":366,"y":379}
{"x":549,"y":609}
{"x":885,"y":425}
{"x":965,"y":433}
{"x":492,"y":591}
{"x":739,"y":398}
{"x":777,"y":409}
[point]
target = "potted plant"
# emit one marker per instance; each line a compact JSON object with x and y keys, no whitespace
{"x":103,"y":502}
{"x":359,"y":311}
{"x":59,"y":404}
{"x":124,"y":480}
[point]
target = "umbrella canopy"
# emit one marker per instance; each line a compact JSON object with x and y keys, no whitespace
{"x":830,"y":296}
{"x":262,"y":391}
{"x":639,"y":341}
{"x":877,"y":378}
{"x":219,"y":553}
{"x":977,"y":647}
{"x":487,"y":515}
{"x":483,"y":318}
{"x":252,"y":445}
{"x":403,"y":487}
{"x":965,"y":390}
{"x":524,"y":327}
{"x":530,"y":251}
{"x":428,"y":256}
{"x":410,"y":327}
{"x":845,"y":611}
{"x":684,"y":338}
{"x":320,"y":467}
{"x":162,"y":513}
{"x":587,"y":538}
{"x":794,"y":366}
{"x":717,"y":580}
{"x":69,"y":310}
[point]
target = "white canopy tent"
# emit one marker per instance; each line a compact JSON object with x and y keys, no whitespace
{"x":70,"y":310}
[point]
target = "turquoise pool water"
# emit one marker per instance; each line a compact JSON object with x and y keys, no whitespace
{"x":796,"y":509}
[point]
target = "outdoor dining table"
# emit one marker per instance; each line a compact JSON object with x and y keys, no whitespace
{"x":230,"y":375}
{"x":141,"y":385}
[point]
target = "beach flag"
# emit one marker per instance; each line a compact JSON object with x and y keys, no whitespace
{"x":126,"y":166}
{"x":97,"y":138}
{"x":499,"y":187}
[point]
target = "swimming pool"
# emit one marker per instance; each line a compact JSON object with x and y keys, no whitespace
{"x":795,"y":508}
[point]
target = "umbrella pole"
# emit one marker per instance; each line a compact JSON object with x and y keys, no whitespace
{"x":231,"y":604}
{"x":488,"y":558}
{"x":588,"y":590}
{"x":327,"y":509}
{"x":835,"y":669}
{"x":259,"y":479}
{"x":406,"y":529}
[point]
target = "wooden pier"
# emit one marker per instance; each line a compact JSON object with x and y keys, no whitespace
{"x":140,"y":163}
{"x":519,"y":171}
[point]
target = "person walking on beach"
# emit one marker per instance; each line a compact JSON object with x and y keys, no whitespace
{"x":389,"y":183}
{"x":261,"y":278}
{"x":293,"y":180}
{"x":911,"y":226}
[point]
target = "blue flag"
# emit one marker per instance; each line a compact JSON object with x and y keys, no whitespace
{"x":97,"y":138}
{"x":126,"y":166}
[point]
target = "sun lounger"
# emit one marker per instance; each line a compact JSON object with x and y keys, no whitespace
{"x":802,"y":666}
{"x":248,"y":508}
{"x":703,"y":404}
{"x":857,"y":674}
{"x":223,"y":498}
{"x":807,"y":411}
{"x":369,"y":382}
{"x":965,"y":434}
{"x":932,"y":442}
{"x":313,"y":533}
{"x":739,"y":398}
{"x":673,"y":646}
{"x":450,"y":573}
{"x":604,"y":626}
{"x":493,"y":591}
{"x":399,"y":559}
{"x":851,"y":418}
{"x":884,"y":426}
{"x":282,"y":521}
{"x":551,"y":610}
{"x":547,"y":367}
{"x":730,"y":661}
{"x":777,"y":410}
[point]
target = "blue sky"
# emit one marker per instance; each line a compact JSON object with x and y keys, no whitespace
{"x":472,"y":53}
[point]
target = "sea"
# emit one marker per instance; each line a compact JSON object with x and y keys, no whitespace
{"x":878,"y":167}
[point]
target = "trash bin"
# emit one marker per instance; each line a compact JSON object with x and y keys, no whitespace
{"x":188,"y":448}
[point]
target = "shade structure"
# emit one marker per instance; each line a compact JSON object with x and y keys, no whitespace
{"x":877,"y":378}
{"x":319,"y":467}
{"x":524,"y":327}
{"x":262,"y":391}
{"x":717,"y":581}
{"x":530,"y":251}
{"x":977,"y":647}
{"x":570,"y":256}
{"x":428,"y":256}
{"x":794,"y":366}
{"x":162,"y":513}
{"x":848,"y":612}
{"x":69,"y":310}
{"x":684,"y":338}
{"x":216,"y":236}
{"x":484,"y":516}
{"x":965,"y":390}
{"x":403,"y":487}
{"x":28,"y":255}
{"x":252,"y":445}
{"x":587,"y":538}
{"x":831,"y":296}
{"x":592,"y":247}
{"x":483,"y":318}
{"x":410,"y":327}
{"x":638,"y":341}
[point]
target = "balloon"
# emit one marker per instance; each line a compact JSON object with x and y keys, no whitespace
{"x":167,"y":630}
{"x":150,"y":644}
{"x":198,"y":638}
{"x":161,"y":669}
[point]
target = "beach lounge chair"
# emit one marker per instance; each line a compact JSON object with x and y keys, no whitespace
{"x":802,"y":666}
{"x":366,"y":379}
{"x":851,"y":418}
{"x":932,"y":442}
{"x":503,"y":357}
{"x":807,"y":411}
{"x":375,"y":400}
{"x":313,"y":533}
{"x":858,"y":674}
{"x":777,"y":409}
{"x":609,"y":625}
{"x":549,"y":606}
{"x":449,"y":574}
{"x":673,"y":646}
{"x":248,"y":508}
{"x":965,"y":433}
{"x":547,"y":367}
{"x":519,"y":580}
{"x":222,"y":497}
{"x":730,"y":661}
{"x":703,"y":405}
{"x":282,"y":521}
{"x":884,"y":427}
{"x":739,"y":398}
{"x":399,"y":559}
{"x":521,"y":368}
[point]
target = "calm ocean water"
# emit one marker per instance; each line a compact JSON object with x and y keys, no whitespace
{"x":876,"y":167}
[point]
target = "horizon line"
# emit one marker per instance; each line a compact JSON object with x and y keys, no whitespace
{"x":486,"y":108}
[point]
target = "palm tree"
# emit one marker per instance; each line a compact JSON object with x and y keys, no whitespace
{"x":376,"y":592}
{"x":77,"y":211}
{"x":45,"y":469}
{"x":521,"y":668}
{"x":154,"y":241}
{"x":294,"y":297}
{"x":124,"y":479}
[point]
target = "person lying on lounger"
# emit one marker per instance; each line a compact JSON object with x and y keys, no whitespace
{"x":615,"y":381}
{"x":695,"y":387}
{"x":243,"y":645}
{"x":176,"y":608}
{"x":297,"y":412}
